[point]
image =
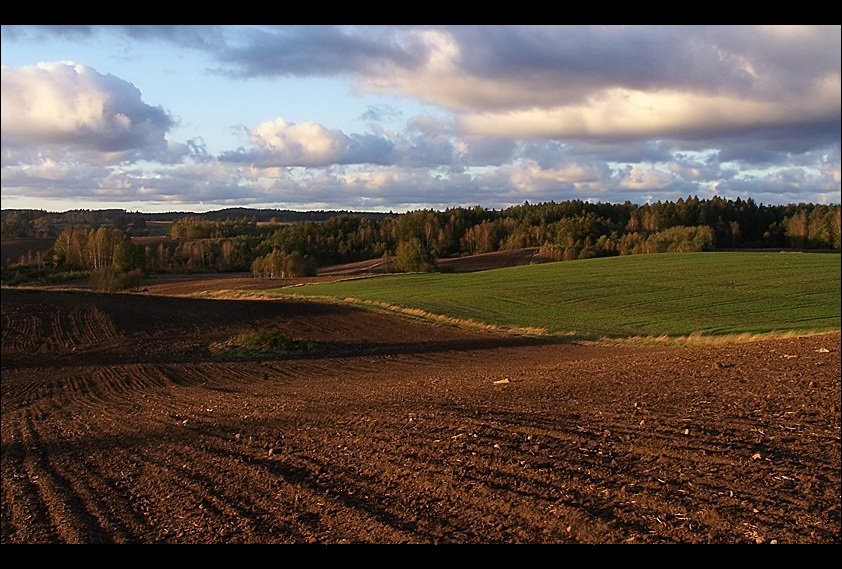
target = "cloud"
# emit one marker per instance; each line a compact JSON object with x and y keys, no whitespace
{"x":607,"y":82}
{"x":630,"y":115}
{"x":304,"y":144}
{"x":538,"y":112}
{"x":278,"y":143}
{"x":70,"y":105}
{"x":261,"y":51}
{"x":426,"y":142}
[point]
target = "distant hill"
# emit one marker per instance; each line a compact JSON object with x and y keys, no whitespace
{"x":108,"y":215}
{"x":279,"y":214}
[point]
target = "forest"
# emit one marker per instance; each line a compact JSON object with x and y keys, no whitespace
{"x":115,"y":248}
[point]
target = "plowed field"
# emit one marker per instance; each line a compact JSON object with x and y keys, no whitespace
{"x":124,"y":422}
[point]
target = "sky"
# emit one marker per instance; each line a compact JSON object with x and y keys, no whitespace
{"x":395,"y":118}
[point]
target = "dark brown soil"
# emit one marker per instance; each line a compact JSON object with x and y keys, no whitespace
{"x":124,"y":421}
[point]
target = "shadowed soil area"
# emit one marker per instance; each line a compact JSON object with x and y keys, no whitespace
{"x":127,"y":418}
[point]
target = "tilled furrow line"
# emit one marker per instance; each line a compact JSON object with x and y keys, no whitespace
{"x":58,"y":506}
{"x":19,"y":388}
{"x":103,"y":515}
{"x":26,"y":514}
{"x":225,"y":508}
{"x":231,"y":376}
{"x":20,"y":333}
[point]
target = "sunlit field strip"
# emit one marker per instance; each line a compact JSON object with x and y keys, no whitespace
{"x":673,"y":295}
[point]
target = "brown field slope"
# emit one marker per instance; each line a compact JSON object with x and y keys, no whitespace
{"x":125,"y":421}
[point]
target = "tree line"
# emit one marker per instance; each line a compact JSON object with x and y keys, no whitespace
{"x":413,"y":241}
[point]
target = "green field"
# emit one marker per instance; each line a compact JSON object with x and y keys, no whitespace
{"x":673,"y":295}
